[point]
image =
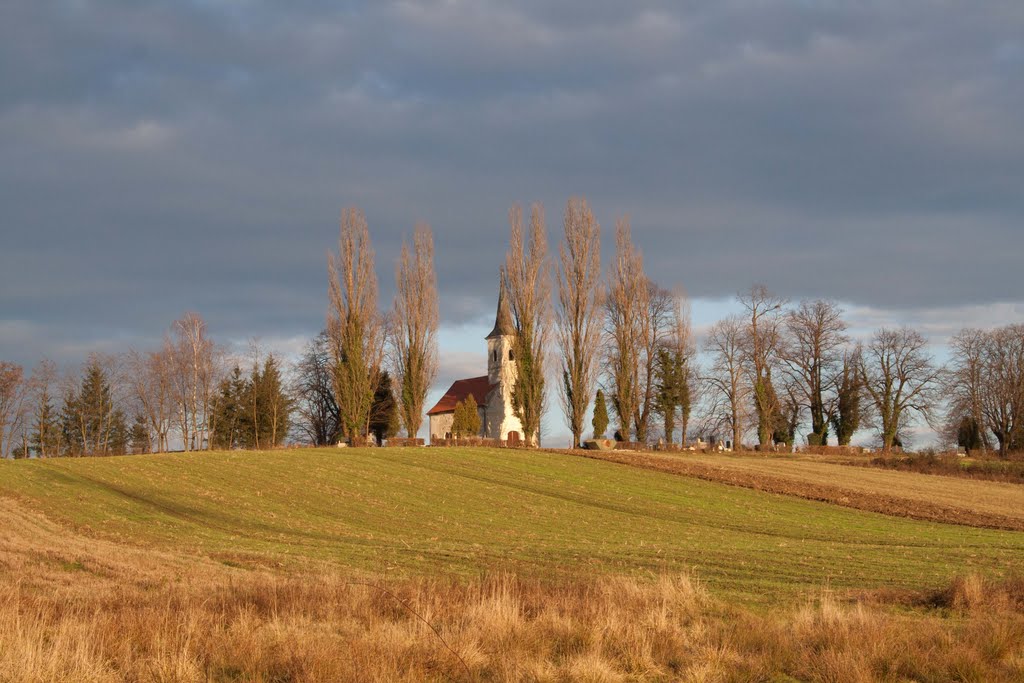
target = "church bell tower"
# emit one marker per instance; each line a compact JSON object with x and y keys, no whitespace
{"x":501,"y":373}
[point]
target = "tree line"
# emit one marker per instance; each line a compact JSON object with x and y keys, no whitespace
{"x":185,"y":394}
{"x":610,"y":338}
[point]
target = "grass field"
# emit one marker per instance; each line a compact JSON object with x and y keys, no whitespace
{"x":479,"y":565}
{"x":422,"y":512}
{"x":931,"y":497}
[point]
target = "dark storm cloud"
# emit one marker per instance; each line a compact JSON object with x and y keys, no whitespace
{"x":157,"y":157}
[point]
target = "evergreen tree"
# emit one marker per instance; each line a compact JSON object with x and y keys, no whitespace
{"x":253,"y":412}
{"x":673,"y":390}
{"x":268,"y":407}
{"x":277,"y":403}
{"x":472,"y":417}
{"x":459,"y":420}
{"x":95,"y":408}
{"x":139,"y":436}
{"x":118,"y":435}
{"x":228,"y":414}
{"x":466,"y":421}
{"x":71,"y":435}
{"x":384,"y":412}
{"x":46,"y":435}
{"x":88,"y":414}
{"x":968,"y":434}
{"x":600,"y":421}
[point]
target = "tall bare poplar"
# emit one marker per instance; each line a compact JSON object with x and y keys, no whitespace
{"x":415,"y":320}
{"x":901,"y":380}
{"x":812,"y":358}
{"x":627,"y":303}
{"x":354,"y":324}
{"x":528,"y":284}
{"x":763,"y":340}
{"x":578,"y":319}
{"x":729,"y":388}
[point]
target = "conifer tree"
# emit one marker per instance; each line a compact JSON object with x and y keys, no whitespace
{"x":46,"y":435}
{"x":384,"y":412}
{"x":459,"y":420}
{"x":118,"y":435}
{"x":273,"y":403}
{"x":139,"y":437}
{"x":466,"y":420}
{"x":472,"y":417}
{"x":600,"y":421}
{"x":229,"y":412}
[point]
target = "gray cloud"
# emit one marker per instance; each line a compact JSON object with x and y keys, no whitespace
{"x":164,"y":156}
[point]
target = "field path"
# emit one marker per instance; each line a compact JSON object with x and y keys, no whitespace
{"x":986,"y":504}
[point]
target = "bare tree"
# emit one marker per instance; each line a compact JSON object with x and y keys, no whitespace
{"x":528,"y":284}
{"x":314,"y":391}
{"x":13,"y":393}
{"x":901,"y":379}
{"x":149,"y":376}
{"x":1003,"y":398}
{"x":195,"y":367}
{"x":812,"y":355}
{"x":415,"y":318}
{"x":966,"y":383}
{"x":763,"y":340}
{"x":355,"y":326}
{"x":728,"y":387}
{"x":627,"y":302}
{"x":578,"y":319}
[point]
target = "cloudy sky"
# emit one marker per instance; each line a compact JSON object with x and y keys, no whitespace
{"x":159,"y":157}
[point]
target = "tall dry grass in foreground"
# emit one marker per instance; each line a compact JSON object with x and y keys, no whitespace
{"x":76,"y":609}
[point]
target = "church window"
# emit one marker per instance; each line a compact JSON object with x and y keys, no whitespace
{"x":494,"y":356}
{"x":511,"y":355}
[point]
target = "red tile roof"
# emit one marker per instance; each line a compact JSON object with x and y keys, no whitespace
{"x":479,"y":387}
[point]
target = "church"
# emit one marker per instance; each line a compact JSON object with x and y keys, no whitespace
{"x":492,"y":392}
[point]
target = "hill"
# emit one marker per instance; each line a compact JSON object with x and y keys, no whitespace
{"x":427,"y":512}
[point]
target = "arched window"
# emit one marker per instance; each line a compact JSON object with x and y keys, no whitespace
{"x":511,"y":355}
{"x":494,"y":356}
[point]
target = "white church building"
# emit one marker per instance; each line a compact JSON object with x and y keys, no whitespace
{"x":492,"y":392}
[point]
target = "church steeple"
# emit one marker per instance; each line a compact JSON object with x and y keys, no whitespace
{"x":503,"y":326}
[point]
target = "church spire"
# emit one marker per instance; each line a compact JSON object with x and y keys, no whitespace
{"x":503,"y":319}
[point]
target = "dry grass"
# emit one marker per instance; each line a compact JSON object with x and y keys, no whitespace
{"x":77,"y":609}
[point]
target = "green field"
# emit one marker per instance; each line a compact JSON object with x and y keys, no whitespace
{"x":408,"y":512}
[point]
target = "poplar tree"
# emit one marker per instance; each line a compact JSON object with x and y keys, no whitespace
{"x":578,"y":319}
{"x":416,"y":318}
{"x":527,"y":280}
{"x":354,"y":324}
